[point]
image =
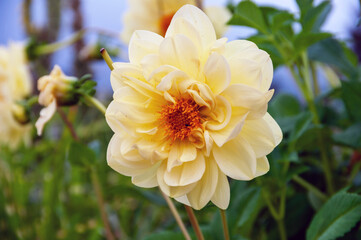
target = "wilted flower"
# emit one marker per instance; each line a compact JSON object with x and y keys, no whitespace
{"x":156,"y":15}
{"x":55,"y":89}
{"x":15,"y":85}
{"x":190,"y":110}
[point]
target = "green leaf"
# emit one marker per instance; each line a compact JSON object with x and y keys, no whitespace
{"x":303,"y":40}
{"x":336,"y":217}
{"x":284,"y":105}
{"x":351,"y":95}
{"x":351,"y":137}
{"x":315,"y":17}
{"x":80,"y":155}
{"x":302,"y":124}
{"x":249,"y":14}
{"x":331,"y":52}
{"x":280,"y":19}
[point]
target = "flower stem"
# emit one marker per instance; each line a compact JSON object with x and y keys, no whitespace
{"x":101,"y":203}
{"x":96,"y":103}
{"x":225,"y":225}
{"x":53,"y":47}
{"x":95,"y":181}
{"x":309,"y":187}
{"x":68,"y":124}
{"x":177,"y":217}
{"x":194,"y":222}
{"x":107,"y":58}
{"x":282,"y":229}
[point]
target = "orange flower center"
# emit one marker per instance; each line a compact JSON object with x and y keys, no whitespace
{"x":180,"y":119}
{"x":164,"y":23}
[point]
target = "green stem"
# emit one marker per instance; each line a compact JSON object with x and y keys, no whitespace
{"x":194,"y":222}
{"x":53,"y":47}
{"x":225,"y":225}
{"x":107,"y":58}
{"x":282,"y":229}
{"x":96,"y":103}
{"x":315,"y":79}
{"x":309,"y":187}
{"x":176,"y":215}
{"x":101,"y":203}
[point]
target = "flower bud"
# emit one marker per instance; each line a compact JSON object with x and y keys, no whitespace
{"x":20,"y":113}
{"x":57,"y":86}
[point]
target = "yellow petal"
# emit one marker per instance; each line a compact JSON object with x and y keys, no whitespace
{"x":173,"y":192}
{"x":187,"y":173}
{"x":217,"y":73}
{"x":45,"y":115}
{"x":200,"y":22}
{"x":205,"y":188}
{"x":262,"y":134}
{"x":148,"y":179}
{"x":262,"y":166}
{"x":142,"y":44}
{"x":236,"y":159}
{"x":180,"y":52}
{"x":121,"y":70}
{"x":222,"y":194}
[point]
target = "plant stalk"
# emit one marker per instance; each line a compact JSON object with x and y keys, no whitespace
{"x":176,"y":215}
{"x":107,"y":58}
{"x":225,"y":224}
{"x":96,"y":103}
{"x":194,"y":222}
{"x":309,"y":187}
{"x":95,"y":182}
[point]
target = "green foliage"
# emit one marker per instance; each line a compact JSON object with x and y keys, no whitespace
{"x":336,"y":217}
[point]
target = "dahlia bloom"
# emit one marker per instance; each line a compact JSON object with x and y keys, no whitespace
{"x":15,"y":85}
{"x":55,"y":89}
{"x":156,"y":15}
{"x":190,"y":110}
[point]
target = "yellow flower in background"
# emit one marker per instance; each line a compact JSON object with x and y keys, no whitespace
{"x":190,"y":110}
{"x":15,"y":85}
{"x":55,"y":89}
{"x":156,"y":15}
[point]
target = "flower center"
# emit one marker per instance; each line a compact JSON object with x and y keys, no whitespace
{"x":164,"y":23}
{"x":180,"y":119}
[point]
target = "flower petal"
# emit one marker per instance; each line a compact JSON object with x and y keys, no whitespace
{"x":180,"y":52}
{"x":263,"y":135}
{"x":45,"y":115}
{"x":173,"y":192}
{"x":187,"y":173}
{"x":205,"y":188}
{"x":217,"y":73}
{"x":200,"y":22}
{"x":240,"y":95}
{"x":142,"y":44}
{"x":262,"y":166}
{"x":148,"y":179}
{"x":236,"y":159}
{"x":222,"y":193}
{"x":121,"y":70}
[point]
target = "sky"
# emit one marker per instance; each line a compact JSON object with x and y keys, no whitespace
{"x":107,"y":14}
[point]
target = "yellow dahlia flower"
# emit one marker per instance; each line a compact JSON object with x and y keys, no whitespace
{"x":15,"y":85}
{"x":55,"y":89}
{"x":156,"y":15}
{"x":190,"y":110}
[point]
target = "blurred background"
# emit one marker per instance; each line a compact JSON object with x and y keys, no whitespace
{"x":59,"y":19}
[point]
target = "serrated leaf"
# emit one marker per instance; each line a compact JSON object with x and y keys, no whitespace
{"x":248,"y":14}
{"x":336,"y":217}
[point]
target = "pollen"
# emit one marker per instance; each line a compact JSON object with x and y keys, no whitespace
{"x":164,"y":23}
{"x":180,"y":118}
